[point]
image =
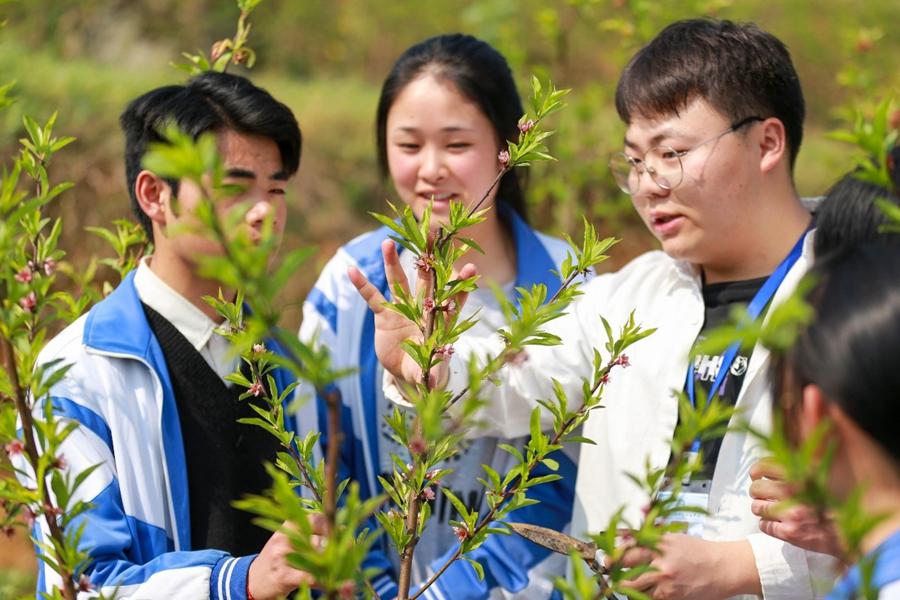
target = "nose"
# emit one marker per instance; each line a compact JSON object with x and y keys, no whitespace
{"x":260,"y":208}
{"x":432,"y":167}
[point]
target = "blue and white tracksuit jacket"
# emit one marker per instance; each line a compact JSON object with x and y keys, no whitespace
{"x":336,"y":313}
{"x":138,"y":534}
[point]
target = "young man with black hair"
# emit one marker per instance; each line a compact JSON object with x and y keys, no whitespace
{"x":146,"y":382}
{"x":714,"y":115}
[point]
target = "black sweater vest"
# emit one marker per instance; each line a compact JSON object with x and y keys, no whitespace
{"x":224,"y":458}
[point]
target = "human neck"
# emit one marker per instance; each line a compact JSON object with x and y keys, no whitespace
{"x":181,"y":278}
{"x":498,"y":263}
{"x":768,"y":240}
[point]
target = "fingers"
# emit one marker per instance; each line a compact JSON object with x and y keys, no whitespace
{"x":368,"y":291}
{"x":767,"y":510}
{"x":634,"y":557}
{"x":770,"y":489}
{"x":767,"y":468}
{"x":392,"y":269}
{"x":459,"y":300}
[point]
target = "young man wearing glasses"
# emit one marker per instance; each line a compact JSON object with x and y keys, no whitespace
{"x":714,"y":115}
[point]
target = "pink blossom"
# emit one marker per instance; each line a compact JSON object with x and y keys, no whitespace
{"x":417,"y":445}
{"x":526,"y":126}
{"x":49,"y":267}
{"x":461,"y":534}
{"x":347,"y":590}
{"x":503,"y":157}
{"x":59,"y":463}
{"x":445,"y":351}
{"x":428,"y":304}
{"x":29,"y":302}
{"x":424,"y":262}
{"x":84,"y":583}
{"x":622,"y":361}
{"x":431,"y":474}
{"x":257,"y":388}
{"x":605,"y":379}
{"x":24,"y":276}
{"x":15,"y":447}
{"x":517,"y":358}
{"x":428,"y":493}
{"x":259,"y":348}
{"x":217,"y":50}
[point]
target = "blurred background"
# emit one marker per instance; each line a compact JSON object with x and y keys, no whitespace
{"x":326,"y":60}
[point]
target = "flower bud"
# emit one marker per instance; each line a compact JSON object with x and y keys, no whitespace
{"x":622,"y":361}
{"x":461,"y":534}
{"x":347,"y":590}
{"x":29,"y":302}
{"x":417,"y":445}
{"x":503,"y":157}
{"x":526,"y":126}
{"x":25,"y":275}
{"x":428,"y":493}
{"x":14,"y":448}
{"x":259,"y":349}
{"x":257,"y":389}
{"x":49,"y":267}
{"x":218,"y":49}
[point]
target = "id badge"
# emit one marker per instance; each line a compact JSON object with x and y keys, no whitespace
{"x":696,"y":495}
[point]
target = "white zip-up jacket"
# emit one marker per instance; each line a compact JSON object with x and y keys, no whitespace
{"x":641,"y":412}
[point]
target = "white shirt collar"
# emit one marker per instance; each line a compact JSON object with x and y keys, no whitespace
{"x":190,"y":321}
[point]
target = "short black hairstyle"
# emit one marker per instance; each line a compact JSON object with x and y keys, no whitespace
{"x":849,"y":216}
{"x":481,"y":74}
{"x":208,"y":102}
{"x":850,"y":349}
{"x":741,"y":70}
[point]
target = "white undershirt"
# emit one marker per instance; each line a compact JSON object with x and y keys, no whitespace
{"x":190,"y":321}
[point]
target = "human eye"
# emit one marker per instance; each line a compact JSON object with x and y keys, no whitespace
{"x":459,"y":145}
{"x":408,"y":146}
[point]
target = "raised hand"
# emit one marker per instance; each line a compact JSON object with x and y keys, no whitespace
{"x":391,"y":328}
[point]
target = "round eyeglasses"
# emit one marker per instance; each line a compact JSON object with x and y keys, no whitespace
{"x":662,"y":163}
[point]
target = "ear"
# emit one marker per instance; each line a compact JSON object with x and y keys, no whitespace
{"x":153,"y":195}
{"x":814,"y":409}
{"x":772,"y":144}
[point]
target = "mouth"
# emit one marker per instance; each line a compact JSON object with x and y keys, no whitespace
{"x":437,"y":197}
{"x":666,"y":225}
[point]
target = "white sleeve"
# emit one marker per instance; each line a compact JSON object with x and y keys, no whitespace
{"x":787,"y":572}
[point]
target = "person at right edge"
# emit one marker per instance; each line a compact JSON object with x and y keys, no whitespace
{"x":714,"y":115}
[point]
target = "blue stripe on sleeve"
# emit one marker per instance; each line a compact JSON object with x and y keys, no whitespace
{"x":85,"y":416}
{"x":324,"y":307}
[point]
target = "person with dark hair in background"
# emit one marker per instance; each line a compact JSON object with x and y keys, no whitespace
{"x":146,"y":382}
{"x":842,"y":371}
{"x":714,"y":114}
{"x":447,"y":107}
{"x":849,"y":217}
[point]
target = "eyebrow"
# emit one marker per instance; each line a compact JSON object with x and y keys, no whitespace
{"x":239,"y":173}
{"x":668,"y":132}
{"x":448,"y":129}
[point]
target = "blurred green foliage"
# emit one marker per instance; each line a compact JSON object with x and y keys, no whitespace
{"x":87,"y":58}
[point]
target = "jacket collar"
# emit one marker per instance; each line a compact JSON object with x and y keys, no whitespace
{"x":117,"y":324}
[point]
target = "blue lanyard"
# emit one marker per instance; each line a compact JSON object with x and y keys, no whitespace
{"x":887,"y":570}
{"x":754,"y":309}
